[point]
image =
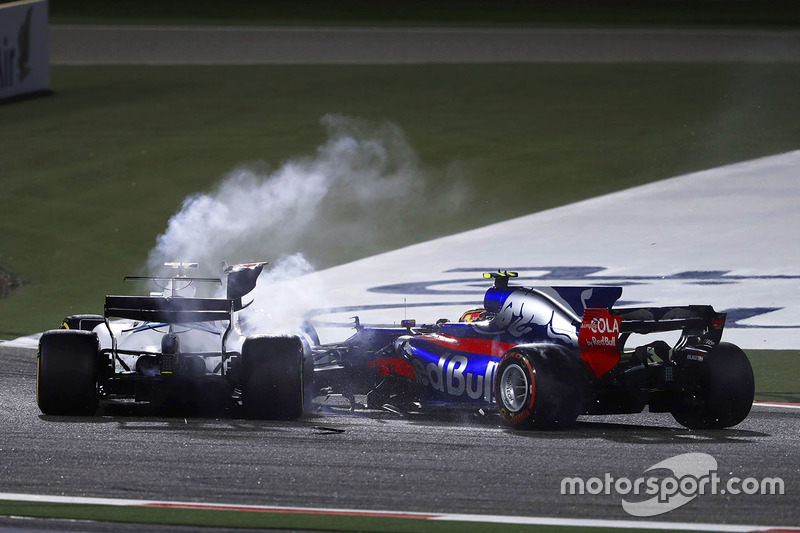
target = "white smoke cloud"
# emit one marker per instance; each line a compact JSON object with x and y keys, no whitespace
{"x":344,"y":194}
{"x":283,"y":296}
{"x":359,"y":187}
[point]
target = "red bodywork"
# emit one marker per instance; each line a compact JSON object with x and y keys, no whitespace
{"x":597,"y":341}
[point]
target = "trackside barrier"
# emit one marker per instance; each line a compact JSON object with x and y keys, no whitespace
{"x":24,"y":48}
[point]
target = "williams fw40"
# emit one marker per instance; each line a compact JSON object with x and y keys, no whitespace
{"x":173,"y":349}
{"x":543,"y":356}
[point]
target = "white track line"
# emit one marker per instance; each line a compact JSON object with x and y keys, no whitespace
{"x":774,"y":404}
{"x":443,"y":517}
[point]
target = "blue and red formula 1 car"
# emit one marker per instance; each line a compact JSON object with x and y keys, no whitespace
{"x":545,"y":355}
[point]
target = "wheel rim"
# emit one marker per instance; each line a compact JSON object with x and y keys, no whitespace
{"x":514,"y":387}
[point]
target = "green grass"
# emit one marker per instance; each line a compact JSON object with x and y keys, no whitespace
{"x":92,"y":174}
{"x":270,"y":521}
{"x":736,"y":13}
{"x":776,"y":374}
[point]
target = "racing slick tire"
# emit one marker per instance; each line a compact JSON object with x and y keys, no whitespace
{"x":539,"y":387}
{"x":726,"y":394}
{"x":273,"y":385}
{"x":82,"y":322}
{"x":66,"y":373}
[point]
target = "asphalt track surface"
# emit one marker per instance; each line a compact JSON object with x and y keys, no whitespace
{"x":379,"y":460}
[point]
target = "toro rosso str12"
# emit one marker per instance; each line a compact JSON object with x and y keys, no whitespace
{"x":545,"y":355}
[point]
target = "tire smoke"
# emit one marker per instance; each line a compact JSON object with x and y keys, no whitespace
{"x":362,"y":186}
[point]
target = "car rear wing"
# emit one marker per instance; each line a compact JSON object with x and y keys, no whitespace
{"x":690,"y":318}
{"x":175,"y":310}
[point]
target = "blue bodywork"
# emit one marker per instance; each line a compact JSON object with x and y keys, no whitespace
{"x":456,"y":364}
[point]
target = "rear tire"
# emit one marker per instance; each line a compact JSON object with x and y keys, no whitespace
{"x":726,"y":394}
{"x":273,"y":377}
{"x":539,"y":387}
{"x":66,"y":373}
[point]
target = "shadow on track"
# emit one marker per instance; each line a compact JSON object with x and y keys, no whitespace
{"x":332,"y":420}
{"x":586,"y":428}
{"x":641,"y":434}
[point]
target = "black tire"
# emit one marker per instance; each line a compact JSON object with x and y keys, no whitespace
{"x":273,"y":384}
{"x":82,"y":322}
{"x":66,"y":373}
{"x":540,"y":387}
{"x":727,"y":389}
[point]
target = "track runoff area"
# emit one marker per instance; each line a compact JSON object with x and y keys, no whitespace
{"x":723,"y":237}
{"x":714,"y":237}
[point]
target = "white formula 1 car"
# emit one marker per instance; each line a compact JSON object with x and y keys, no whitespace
{"x":171,"y":348}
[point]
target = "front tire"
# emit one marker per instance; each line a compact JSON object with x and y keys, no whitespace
{"x":539,"y":387}
{"x":727,"y":389}
{"x":66,"y":373}
{"x":273,"y":384}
